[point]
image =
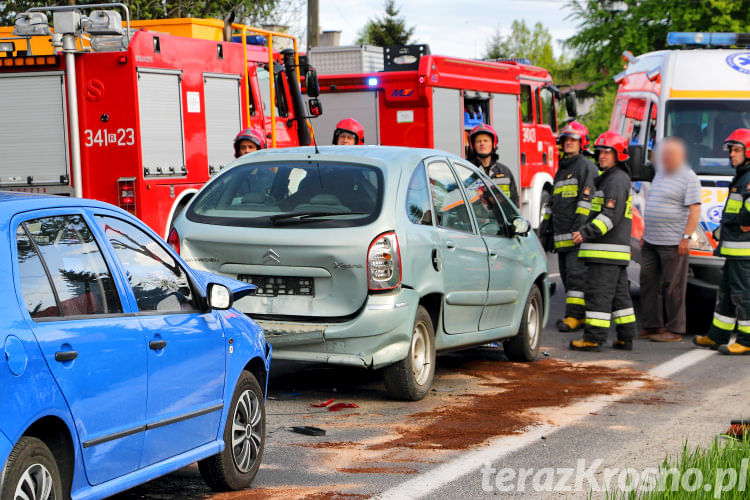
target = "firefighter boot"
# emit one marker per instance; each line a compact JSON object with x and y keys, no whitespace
{"x":734,"y":348}
{"x":569,"y":324}
{"x":623,"y":345}
{"x":585,"y":345}
{"x":705,"y":341}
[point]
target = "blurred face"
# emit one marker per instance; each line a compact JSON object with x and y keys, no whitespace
{"x":246,"y":147}
{"x":737,"y":155}
{"x":672,"y":156}
{"x":346,"y":139}
{"x":607,"y":158}
{"x":483,"y":144}
{"x":571,"y":146}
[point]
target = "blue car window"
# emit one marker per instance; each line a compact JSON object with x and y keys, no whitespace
{"x":158,"y":282}
{"x":486,"y":210}
{"x":76,"y":267}
{"x":418,"y":198}
{"x":450,"y":207}
{"x":35,"y":286}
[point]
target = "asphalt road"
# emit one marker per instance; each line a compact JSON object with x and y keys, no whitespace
{"x":627,"y":409}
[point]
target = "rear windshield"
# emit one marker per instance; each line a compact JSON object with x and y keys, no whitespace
{"x":281,"y":194}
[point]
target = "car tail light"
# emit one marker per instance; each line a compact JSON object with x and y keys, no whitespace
{"x":173,"y":240}
{"x":384,"y":262}
{"x":126,"y":194}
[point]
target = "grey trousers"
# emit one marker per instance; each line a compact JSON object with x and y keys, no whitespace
{"x":663,"y":286}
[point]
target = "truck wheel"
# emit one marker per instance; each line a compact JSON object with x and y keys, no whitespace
{"x":525,"y":345}
{"x":543,"y":203}
{"x":410,"y":379}
{"x":244,"y":440}
{"x":31,"y":472}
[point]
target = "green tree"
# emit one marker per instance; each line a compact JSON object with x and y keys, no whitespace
{"x":597,"y":120}
{"x":387,"y":30}
{"x":606,"y":28}
{"x":535,"y":43}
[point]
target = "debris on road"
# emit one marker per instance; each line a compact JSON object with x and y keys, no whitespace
{"x":308,"y":430}
{"x":738,"y":429}
{"x":323,"y":404}
{"x":341,"y":406}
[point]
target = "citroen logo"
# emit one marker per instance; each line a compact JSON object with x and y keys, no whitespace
{"x":271,"y":256}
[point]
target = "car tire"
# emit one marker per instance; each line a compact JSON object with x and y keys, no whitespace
{"x":525,"y":345}
{"x":31,"y":470}
{"x":244,"y":439}
{"x":411,"y":378}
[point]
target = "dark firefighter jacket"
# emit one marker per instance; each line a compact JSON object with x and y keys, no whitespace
{"x":735,"y":243}
{"x":503,"y":179}
{"x":606,"y":234}
{"x":571,"y":200}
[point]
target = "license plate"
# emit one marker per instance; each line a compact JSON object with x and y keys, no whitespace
{"x":274,"y":286}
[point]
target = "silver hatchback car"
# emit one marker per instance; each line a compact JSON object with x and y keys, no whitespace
{"x":371,"y":256}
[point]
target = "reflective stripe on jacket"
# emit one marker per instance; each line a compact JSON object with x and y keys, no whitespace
{"x":606,"y":234}
{"x":735,"y":243}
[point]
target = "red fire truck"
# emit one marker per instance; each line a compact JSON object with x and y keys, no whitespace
{"x":431,"y":101}
{"x":138,"y":118}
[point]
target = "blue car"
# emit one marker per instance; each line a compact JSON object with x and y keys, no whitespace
{"x":120,"y":363}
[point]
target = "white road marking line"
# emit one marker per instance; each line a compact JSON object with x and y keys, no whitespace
{"x":497,"y":448}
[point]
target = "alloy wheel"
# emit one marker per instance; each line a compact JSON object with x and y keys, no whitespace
{"x":247,"y":429}
{"x":35,"y":484}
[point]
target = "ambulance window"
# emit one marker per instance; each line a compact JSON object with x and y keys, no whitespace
{"x":547,"y":108}
{"x":651,"y":134}
{"x":526,"y":104}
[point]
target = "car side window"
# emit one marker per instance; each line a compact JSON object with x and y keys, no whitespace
{"x":35,"y":286}
{"x":508,"y":208}
{"x":450,"y":207}
{"x":418,"y":198}
{"x":81,"y":281}
{"x":486,"y":210}
{"x":159,"y":283}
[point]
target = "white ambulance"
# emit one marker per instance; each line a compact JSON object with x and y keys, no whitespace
{"x":701,"y":93}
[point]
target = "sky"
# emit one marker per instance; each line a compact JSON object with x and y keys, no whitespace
{"x":451,"y":27}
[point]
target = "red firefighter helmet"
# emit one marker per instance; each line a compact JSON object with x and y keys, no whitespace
{"x":249,"y":134}
{"x":615,"y":142}
{"x":575,"y":130}
{"x":740,"y":136}
{"x":482,"y":128}
{"x":351,"y":126}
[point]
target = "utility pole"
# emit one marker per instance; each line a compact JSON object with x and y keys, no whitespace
{"x":313,"y":27}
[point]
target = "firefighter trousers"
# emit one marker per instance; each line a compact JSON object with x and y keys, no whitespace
{"x":573,"y":275}
{"x":607,"y":295}
{"x":733,"y":304}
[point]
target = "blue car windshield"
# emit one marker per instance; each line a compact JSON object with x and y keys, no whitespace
{"x":704,"y":125}
{"x":282,"y":194}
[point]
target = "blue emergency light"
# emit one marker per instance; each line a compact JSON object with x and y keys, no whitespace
{"x":708,"y":39}
{"x":372,"y":82}
{"x":251,"y":39}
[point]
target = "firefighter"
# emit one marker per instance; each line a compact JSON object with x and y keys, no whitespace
{"x":567,"y":213}
{"x":348,"y":132}
{"x":733,"y":305}
{"x":247,"y":141}
{"x":605,"y":249}
{"x":483,"y":153}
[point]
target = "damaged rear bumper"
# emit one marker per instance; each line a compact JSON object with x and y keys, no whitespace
{"x":379,"y":336}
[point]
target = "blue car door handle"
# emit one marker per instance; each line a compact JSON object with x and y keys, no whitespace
{"x":155,"y":345}
{"x":64,"y":356}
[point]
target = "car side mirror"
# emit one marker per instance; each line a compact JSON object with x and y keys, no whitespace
{"x":219,"y":297}
{"x":314,"y":107}
{"x":311,"y":82}
{"x":640,"y":168}
{"x":520,"y":226}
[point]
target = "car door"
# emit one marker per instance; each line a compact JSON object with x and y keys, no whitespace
{"x":462,"y":253}
{"x":186,"y":344}
{"x":95,"y":351}
{"x":505,"y":253}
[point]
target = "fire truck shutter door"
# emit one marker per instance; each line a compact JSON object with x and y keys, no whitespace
{"x":33,"y":128}
{"x":362,"y":106}
{"x":505,"y":121}
{"x":447,"y":120}
{"x":223,"y":117}
{"x":160,"y":108}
